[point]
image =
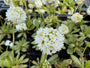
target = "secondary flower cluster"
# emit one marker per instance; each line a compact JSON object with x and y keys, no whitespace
{"x":49,"y":40}
{"x":40,"y":3}
{"x":16,"y":14}
{"x":76,"y":17}
{"x":21,"y":26}
{"x":88,"y":10}
{"x":63,"y":29}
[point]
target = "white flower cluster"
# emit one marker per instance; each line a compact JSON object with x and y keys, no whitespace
{"x":40,"y":3}
{"x":63,"y":29}
{"x":88,"y":10}
{"x":49,"y":40}
{"x":8,"y":43}
{"x":76,"y":17}
{"x":21,"y":26}
{"x":36,"y":3}
{"x":52,"y":3}
{"x":16,"y":14}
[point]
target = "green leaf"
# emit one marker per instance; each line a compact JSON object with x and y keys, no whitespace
{"x":78,"y":50}
{"x":51,"y":60}
{"x":2,"y":43}
{"x":34,"y":62}
{"x":25,"y":60}
{"x":70,"y":50}
{"x":87,"y":43}
{"x":21,"y":58}
{"x":21,"y":45}
{"x":76,"y":60}
{"x":17,"y":57}
{"x":76,"y":30}
{"x":19,"y":35}
{"x":43,"y":57}
{"x":4,"y":54}
{"x":32,"y":27}
{"x":87,"y":65}
{"x":1,"y":63}
{"x":7,"y":63}
{"x":62,"y":64}
{"x":20,"y":66}
{"x":86,"y":21}
{"x":65,"y":63}
{"x":34,"y":66}
{"x":1,"y":37}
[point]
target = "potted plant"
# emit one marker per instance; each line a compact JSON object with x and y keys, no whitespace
{"x":44,"y":30}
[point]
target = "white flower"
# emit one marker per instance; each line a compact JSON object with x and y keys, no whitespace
{"x":21,"y":26}
{"x":8,"y":43}
{"x":79,"y":1}
{"x":38,"y":3}
{"x":88,"y":10}
{"x":31,"y":1}
{"x":30,"y":10}
{"x":30,"y":5}
{"x":42,"y":11}
{"x":44,"y":2}
{"x":49,"y":40}
{"x":11,"y":44}
{"x":63,"y":29}
{"x":8,"y":2}
{"x":16,"y":14}
{"x":52,"y":3}
{"x":76,"y":17}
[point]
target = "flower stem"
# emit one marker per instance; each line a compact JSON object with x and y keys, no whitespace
{"x":80,"y":8}
{"x":43,"y":58}
{"x":84,"y":50}
{"x":13,"y":42}
{"x":82,"y":66}
{"x":76,"y":8}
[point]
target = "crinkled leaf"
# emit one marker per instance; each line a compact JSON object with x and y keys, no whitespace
{"x":65,"y":63}
{"x":52,"y":59}
{"x":76,"y":60}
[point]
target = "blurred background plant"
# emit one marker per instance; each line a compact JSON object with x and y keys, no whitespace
{"x":9,"y":61}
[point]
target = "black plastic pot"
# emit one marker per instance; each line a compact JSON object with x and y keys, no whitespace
{"x":82,"y":10}
{"x":87,"y":2}
{"x":3,"y":8}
